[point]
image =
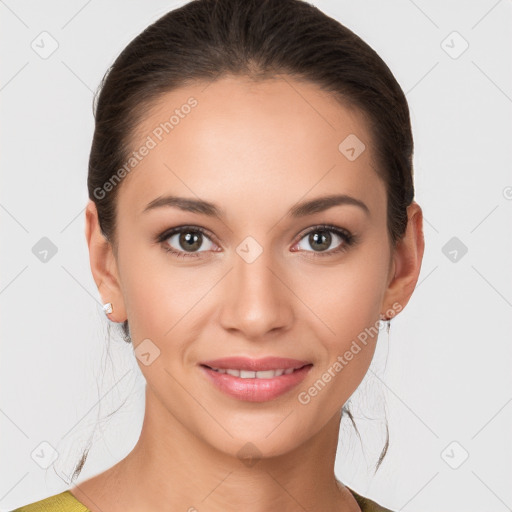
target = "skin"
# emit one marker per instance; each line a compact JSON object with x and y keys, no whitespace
{"x":255,"y":150}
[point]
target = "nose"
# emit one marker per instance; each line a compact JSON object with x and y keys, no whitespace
{"x":256,"y":300}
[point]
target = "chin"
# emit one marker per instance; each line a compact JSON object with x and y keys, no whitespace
{"x":258,"y":437}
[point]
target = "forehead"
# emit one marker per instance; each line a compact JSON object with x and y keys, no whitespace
{"x":267,"y":142}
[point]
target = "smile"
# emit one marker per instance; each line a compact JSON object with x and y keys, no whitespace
{"x":255,"y":380}
{"x":263,"y":374}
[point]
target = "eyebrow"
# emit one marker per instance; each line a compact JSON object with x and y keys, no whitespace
{"x":299,"y":210}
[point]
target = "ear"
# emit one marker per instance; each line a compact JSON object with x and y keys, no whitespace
{"x":406,"y":262}
{"x":103,"y":264}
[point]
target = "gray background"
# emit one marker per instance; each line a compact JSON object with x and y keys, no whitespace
{"x":443,"y":377}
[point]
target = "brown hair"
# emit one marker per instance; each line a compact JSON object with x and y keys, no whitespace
{"x":206,"y":39}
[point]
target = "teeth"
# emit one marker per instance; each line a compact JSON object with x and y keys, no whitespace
{"x":247,"y":374}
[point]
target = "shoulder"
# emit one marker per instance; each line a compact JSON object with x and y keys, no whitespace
{"x":366,"y":504}
{"x":63,"y":502}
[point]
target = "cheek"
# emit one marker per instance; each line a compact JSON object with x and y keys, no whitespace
{"x":162,"y":298}
{"x":348,"y":300}
{"x":151,"y":295}
{"x":345,"y":299}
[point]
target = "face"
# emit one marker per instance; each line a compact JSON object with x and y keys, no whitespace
{"x":265,"y":269}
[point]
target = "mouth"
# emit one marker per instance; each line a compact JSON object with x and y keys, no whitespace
{"x":255,"y":380}
{"x":248,"y":374}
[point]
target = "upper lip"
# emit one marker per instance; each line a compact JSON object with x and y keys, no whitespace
{"x":255,"y":365}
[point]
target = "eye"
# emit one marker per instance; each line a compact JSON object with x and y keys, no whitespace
{"x":321,"y":239}
{"x":185,"y":241}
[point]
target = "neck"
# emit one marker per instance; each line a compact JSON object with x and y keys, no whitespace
{"x":170,"y":465}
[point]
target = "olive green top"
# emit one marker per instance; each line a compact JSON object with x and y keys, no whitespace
{"x":66,"y":502}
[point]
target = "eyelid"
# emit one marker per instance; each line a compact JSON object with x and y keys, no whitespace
{"x":326,"y":227}
{"x":172,"y":231}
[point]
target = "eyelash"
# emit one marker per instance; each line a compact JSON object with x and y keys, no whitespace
{"x":347,"y":237}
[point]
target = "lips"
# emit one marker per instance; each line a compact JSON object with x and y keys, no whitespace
{"x":255,"y":380}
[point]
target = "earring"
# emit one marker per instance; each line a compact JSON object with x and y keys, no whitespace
{"x":388,"y":326}
{"x":107,"y":308}
{"x":387,"y":321}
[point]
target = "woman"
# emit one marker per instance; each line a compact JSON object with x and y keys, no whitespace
{"x":251,"y":223}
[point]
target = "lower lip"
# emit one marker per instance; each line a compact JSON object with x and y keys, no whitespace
{"x":256,"y":390}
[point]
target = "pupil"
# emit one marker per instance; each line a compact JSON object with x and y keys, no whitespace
{"x":324,"y":239}
{"x":190,"y":241}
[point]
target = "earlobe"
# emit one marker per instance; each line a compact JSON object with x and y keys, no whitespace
{"x":407,"y":258}
{"x":103,"y":264}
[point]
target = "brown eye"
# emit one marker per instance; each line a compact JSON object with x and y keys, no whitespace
{"x":190,"y":241}
{"x":186,"y":241}
{"x":325,"y":239}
